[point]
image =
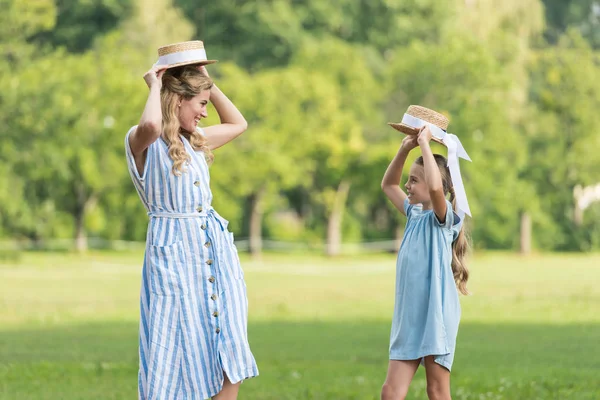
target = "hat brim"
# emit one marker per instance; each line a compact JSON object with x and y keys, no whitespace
{"x":409,"y":130}
{"x":181,"y":64}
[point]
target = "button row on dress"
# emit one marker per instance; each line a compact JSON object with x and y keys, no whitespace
{"x":199,"y":208}
{"x":209,"y":262}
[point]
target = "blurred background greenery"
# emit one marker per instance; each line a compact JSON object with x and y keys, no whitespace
{"x":317,"y":81}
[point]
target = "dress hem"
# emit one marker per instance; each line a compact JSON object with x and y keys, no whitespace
{"x":250,"y":373}
{"x":436,"y":357}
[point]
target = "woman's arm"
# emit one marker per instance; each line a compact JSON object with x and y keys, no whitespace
{"x":233,"y":123}
{"x":150,"y":125}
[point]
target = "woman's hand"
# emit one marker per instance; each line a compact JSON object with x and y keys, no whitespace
{"x":154,"y":76}
{"x":203,"y":70}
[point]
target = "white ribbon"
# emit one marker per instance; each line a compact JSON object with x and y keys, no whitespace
{"x":182,"y":56}
{"x":455,"y":150}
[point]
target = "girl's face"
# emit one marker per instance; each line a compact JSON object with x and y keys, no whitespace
{"x":193,"y":110}
{"x":416,"y":188}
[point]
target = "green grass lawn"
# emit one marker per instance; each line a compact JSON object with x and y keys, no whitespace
{"x":319,"y":328}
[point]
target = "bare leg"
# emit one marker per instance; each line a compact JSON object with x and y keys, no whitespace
{"x":438,"y":380}
{"x":399,"y":376}
{"x":229,"y":391}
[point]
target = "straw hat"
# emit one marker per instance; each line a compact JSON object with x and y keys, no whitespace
{"x":424,"y":114}
{"x":184,"y":53}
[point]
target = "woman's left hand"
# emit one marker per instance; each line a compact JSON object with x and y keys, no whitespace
{"x":203,"y":70}
{"x":424,"y":136}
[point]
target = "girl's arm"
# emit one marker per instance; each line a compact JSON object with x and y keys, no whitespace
{"x":233,"y":123}
{"x":391,"y":180}
{"x":433,"y":179}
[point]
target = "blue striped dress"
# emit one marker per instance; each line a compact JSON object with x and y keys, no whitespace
{"x":193,"y":324}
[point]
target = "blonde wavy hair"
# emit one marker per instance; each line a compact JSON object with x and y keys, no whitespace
{"x":181,"y":82}
{"x":460,"y":246}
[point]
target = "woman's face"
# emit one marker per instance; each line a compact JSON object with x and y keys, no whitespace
{"x":193,"y":110}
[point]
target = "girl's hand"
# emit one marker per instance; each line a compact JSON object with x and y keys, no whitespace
{"x":203,"y":70}
{"x":424,"y":136}
{"x":409,"y":142}
{"x":154,"y":77}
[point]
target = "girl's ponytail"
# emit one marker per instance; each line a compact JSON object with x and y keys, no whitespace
{"x":460,"y":247}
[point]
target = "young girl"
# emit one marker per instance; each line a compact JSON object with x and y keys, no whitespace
{"x":193,"y":339}
{"x":430,"y":266}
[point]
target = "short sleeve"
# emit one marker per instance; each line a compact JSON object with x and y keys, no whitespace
{"x":131,"y":160}
{"x":452,"y":221}
{"x":407,"y":207}
{"x":200,"y":131}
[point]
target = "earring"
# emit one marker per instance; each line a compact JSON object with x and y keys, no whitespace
{"x":179,"y":105}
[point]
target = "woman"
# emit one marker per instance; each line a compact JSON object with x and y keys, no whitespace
{"x":193,"y":336}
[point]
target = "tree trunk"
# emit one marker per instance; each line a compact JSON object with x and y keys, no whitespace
{"x":81,"y":244}
{"x":84,"y":204}
{"x":334,"y":223}
{"x":256,"y":216}
{"x":525,"y":239}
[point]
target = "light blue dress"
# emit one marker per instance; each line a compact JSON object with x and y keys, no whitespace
{"x":427,"y":308}
{"x":193,"y":297}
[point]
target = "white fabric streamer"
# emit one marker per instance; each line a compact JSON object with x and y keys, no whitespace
{"x":455,"y":150}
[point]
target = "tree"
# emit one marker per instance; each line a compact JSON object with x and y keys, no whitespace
{"x":19,"y":22}
{"x":563,"y":146}
{"x":583,"y":15}
{"x":70,"y":153}
{"x":263,"y":34}
{"x":339,"y":147}
{"x":275,"y":153}
{"x":79,"y":23}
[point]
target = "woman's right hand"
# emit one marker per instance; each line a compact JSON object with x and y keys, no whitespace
{"x":154,"y":76}
{"x":409,"y":142}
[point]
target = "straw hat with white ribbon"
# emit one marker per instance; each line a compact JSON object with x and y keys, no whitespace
{"x":417,"y":117}
{"x":184,"y":53}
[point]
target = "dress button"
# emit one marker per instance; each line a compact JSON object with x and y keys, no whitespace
{"x":197,"y":183}
{"x":214,"y":297}
{"x":218,"y":330}
{"x":216,"y":314}
{"x":209,"y":261}
{"x":199,"y":209}
{"x":211,"y":279}
{"x":207,"y":244}
{"x":203,"y":227}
